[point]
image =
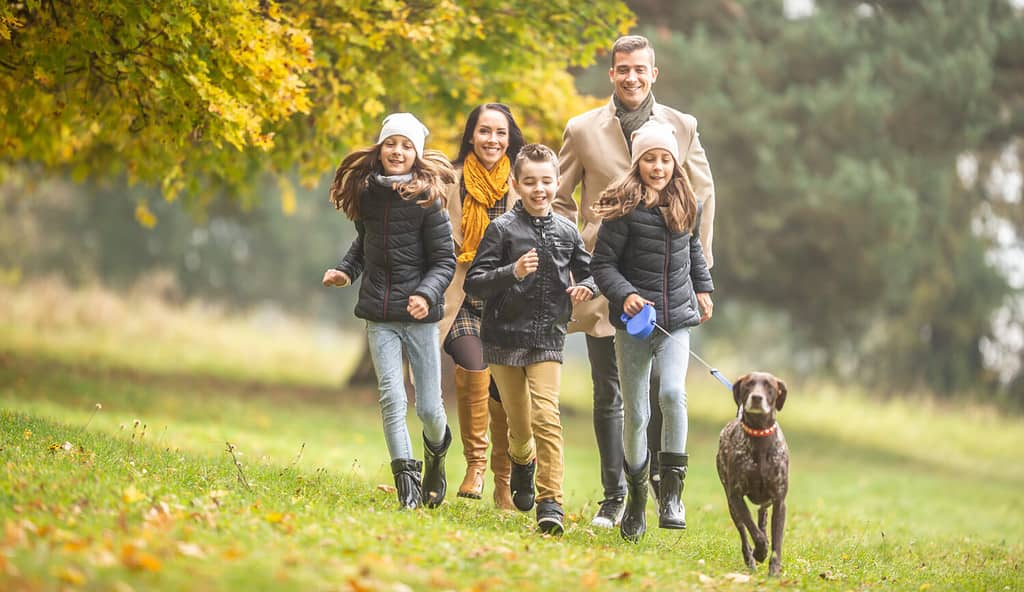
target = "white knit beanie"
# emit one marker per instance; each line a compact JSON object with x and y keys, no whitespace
{"x":405,"y":124}
{"x":653,"y":134}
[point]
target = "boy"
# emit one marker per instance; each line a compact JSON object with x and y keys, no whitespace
{"x":530,"y":267}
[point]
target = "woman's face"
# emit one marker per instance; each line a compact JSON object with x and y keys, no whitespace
{"x":397,"y":154}
{"x":490,"y":137}
{"x":656,"y":167}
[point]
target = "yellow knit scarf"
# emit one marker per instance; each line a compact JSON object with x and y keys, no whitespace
{"x":483,"y":189}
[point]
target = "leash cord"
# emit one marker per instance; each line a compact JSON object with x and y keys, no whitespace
{"x":714,"y":371}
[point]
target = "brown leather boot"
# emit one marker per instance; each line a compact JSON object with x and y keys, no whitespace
{"x":501,"y":465}
{"x":471,"y":390}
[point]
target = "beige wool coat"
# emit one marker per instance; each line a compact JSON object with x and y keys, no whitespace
{"x":594,"y":153}
{"x":455,"y":295}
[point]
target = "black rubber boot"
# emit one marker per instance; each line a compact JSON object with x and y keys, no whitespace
{"x":521,"y":483}
{"x":434,"y":484}
{"x":634,"y":521}
{"x":671,"y":512}
{"x":407,"y":482}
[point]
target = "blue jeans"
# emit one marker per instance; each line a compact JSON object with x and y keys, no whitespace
{"x":635,"y":358}
{"x":421,"y":344}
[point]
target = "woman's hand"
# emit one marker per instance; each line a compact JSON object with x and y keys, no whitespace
{"x":579,"y":294}
{"x":417,"y":307}
{"x":706,"y":305}
{"x":333,"y":277}
{"x":634,"y":304}
{"x":526,"y":264}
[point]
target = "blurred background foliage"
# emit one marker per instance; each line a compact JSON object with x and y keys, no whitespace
{"x":867,"y":159}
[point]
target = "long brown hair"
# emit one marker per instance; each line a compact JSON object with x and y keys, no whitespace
{"x":678,"y":201}
{"x":431,"y":173}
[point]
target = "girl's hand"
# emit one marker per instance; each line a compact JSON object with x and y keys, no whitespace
{"x":333,"y":277}
{"x":579,"y":294}
{"x":634,"y":304}
{"x":417,"y":307}
{"x":526,"y":264}
{"x":706,"y":306}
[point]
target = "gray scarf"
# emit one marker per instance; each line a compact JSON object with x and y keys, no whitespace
{"x":632,"y":120}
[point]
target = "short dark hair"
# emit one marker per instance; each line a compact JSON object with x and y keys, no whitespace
{"x":631,"y":43}
{"x":515,"y":135}
{"x":534,"y":153}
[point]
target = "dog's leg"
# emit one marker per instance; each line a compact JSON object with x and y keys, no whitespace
{"x":778,"y":528}
{"x":761,"y":543}
{"x":741,"y":518}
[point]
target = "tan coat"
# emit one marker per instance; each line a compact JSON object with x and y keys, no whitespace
{"x":594,"y":152}
{"x":455,"y":295}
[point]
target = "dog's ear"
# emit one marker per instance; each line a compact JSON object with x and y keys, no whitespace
{"x":780,"y":400}
{"x":737,"y":390}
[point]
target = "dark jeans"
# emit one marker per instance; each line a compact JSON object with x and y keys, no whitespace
{"x":608,"y":415}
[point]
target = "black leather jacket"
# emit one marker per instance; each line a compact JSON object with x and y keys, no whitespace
{"x":532,"y":312}
{"x":637,"y":254}
{"x":401,"y":249}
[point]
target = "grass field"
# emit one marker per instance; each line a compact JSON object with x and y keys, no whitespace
{"x":143,"y":494}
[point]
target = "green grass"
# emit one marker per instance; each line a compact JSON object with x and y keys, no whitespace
{"x":898,"y":495}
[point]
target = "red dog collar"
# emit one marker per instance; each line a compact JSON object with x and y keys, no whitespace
{"x":759,"y":433}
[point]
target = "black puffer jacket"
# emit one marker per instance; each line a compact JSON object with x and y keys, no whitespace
{"x":637,"y":254}
{"x":533,"y":312}
{"x":403,"y":249}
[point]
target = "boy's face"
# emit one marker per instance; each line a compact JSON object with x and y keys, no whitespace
{"x":397,"y":154}
{"x":536,"y":184}
{"x":632,"y":76}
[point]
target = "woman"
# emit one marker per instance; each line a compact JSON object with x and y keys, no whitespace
{"x":490,"y":141}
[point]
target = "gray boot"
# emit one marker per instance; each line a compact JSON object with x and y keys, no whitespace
{"x":408,"y":482}
{"x":634,"y":521}
{"x":671,"y":512}
{"x":434,"y":484}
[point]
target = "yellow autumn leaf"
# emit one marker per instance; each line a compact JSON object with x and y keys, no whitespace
{"x":144,"y":216}
{"x":72,"y":575}
{"x":287,"y":196}
{"x":132,"y":495}
{"x":274,"y":517}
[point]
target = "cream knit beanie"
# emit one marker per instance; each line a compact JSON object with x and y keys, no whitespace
{"x":405,"y":124}
{"x":653,"y":134}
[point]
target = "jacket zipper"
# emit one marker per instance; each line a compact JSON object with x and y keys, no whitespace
{"x":387,"y":263}
{"x":664,"y":277}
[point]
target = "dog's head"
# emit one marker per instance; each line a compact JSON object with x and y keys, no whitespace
{"x":759,"y":393}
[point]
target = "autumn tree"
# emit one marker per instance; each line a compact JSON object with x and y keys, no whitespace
{"x":204,"y":97}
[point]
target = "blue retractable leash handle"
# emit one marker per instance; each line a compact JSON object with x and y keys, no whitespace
{"x":643,"y":323}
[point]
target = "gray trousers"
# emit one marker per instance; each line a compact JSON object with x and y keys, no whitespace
{"x":608,"y":415}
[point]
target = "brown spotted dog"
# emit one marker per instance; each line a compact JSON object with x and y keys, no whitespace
{"x":753,"y":462}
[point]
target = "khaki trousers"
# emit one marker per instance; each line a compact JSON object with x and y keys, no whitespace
{"x":530,"y":397}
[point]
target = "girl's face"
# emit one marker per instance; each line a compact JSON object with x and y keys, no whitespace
{"x":397,"y":155}
{"x":490,"y":137}
{"x":656,"y":168}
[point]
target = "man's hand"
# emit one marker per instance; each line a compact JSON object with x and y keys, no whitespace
{"x":579,"y":294}
{"x":526,"y":264}
{"x":333,"y":277}
{"x":706,"y":306}
{"x":417,"y":307}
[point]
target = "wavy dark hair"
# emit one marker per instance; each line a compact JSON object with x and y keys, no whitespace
{"x":431,"y":174}
{"x":515,"y":135}
{"x":677,"y":199}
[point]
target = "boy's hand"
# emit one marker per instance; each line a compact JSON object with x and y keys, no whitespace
{"x":579,"y":294}
{"x":634,"y":304}
{"x":706,"y":306}
{"x":526,"y":264}
{"x":417,"y":307}
{"x":333,"y":277}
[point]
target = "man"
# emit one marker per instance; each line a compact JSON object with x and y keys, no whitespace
{"x":595,"y":151}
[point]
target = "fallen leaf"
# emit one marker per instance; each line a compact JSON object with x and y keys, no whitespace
{"x":622,"y":575}
{"x":274,"y":517}
{"x":191,"y":550}
{"x":132,"y":495}
{"x":705,"y":580}
{"x":386,"y":488}
{"x":737,"y":577}
{"x":72,"y":575}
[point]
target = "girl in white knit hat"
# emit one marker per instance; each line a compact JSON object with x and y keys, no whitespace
{"x":394,"y":192}
{"x":648,"y":253}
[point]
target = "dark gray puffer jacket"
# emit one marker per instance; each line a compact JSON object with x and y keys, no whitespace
{"x":401,"y":249}
{"x":637,"y":254}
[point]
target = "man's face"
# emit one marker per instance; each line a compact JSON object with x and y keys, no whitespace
{"x":632,"y":76}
